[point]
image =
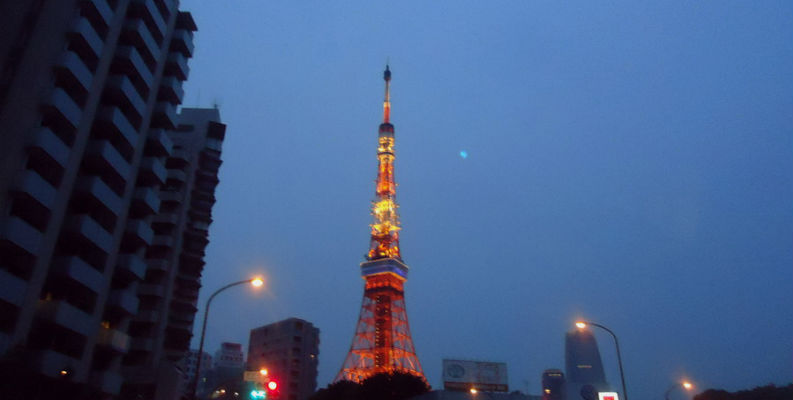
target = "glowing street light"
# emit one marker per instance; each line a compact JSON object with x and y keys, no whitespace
{"x":473,"y":391}
{"x":688,"y":386}
{"x":584,"y":325}
{"x":256,"y":283}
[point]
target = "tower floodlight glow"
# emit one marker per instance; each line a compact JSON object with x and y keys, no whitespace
{"x":382,"y":341}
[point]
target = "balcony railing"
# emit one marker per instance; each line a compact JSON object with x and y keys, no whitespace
{"x":73,"y":268}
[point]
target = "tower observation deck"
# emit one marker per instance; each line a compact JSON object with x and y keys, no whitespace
{"x":382,"y":341}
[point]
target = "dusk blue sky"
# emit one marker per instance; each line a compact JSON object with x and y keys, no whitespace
{"x":629,"y":162}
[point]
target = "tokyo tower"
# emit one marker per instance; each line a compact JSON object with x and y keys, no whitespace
{"x":382,"y":342}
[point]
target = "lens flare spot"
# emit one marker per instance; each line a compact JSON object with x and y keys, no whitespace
{"x":463,"y":154}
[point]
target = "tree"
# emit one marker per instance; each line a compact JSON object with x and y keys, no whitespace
{"x":341,"y":390}
{"x":768,"y":392}
{"x":397,"y":386}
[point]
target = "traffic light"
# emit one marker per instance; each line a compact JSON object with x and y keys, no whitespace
{"x":263,"y":390}
{"x":272,"y":389}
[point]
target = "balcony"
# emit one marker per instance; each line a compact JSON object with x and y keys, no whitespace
{"x":120,"y":91}
{"x":159,"y":143}
{"x":31,"y":187}
{"x":163,"y":241}
{"x":142,"y":344}
{"x":123,"y":300}
{"x":72,"y":72}
{"x":152,"y":170}
{"x":184,"y":304}
{"x":179,"y":324}
{"x":90,"y":230}
{"x":130,"y":62}
{"x":171,"y":90}
{"x":66,"y":315}
{"x":108,"y":382}
{"x":86,"y":42}
{"x":177,"y":175}
{"x":14,"y":289}
{"x":140,"y":232}
{"x":146,"y":201}
{"x":98,"y":11}
{"x":164,"y":115}
{"x":158,"y":264}
{"x":62,"y":114}
{"x":103,"y":158}
{"x":21,"y":234}
{"x":153,"y":17}
{"x":76,"y":270}
{"x":176,"y":65}
{"x":166,"y":218}
{"x":49,"y":149}
{"x":182,"y":41}
{"x":96,"y":191}
{"x":115,"y":340}
{"x":131,"y":267}
{"x":115,"y":127}
{"x":151,"y":290}
{"x":137,"y":33}
{"x":151,"y":316}
{"x":184,"y":20}
{"x":171,"y":195}
{"x":51,"y":362}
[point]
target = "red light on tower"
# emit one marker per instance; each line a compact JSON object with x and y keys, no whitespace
{"x":272,"y":385}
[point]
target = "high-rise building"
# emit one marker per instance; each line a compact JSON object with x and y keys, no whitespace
{"x":583,"y":365}
{"x":382,"y":341}
{"x":553,"y":385}
{"x":88,"y":98}
{"x":162,"y":329}
{"x":289,"y":350}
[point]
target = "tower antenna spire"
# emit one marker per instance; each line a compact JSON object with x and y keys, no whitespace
{"x":387,"y":100}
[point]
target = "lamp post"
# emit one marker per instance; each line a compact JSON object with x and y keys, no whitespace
{"x":255,"y":282}
{"x":684,"y":384}
{"x":583,"y":325}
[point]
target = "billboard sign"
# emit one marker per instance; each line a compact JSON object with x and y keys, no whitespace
{"x":479,"y":375}
{"x":608,"y":396}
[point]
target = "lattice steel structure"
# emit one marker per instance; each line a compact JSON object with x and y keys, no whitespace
{"x":382,"y":342}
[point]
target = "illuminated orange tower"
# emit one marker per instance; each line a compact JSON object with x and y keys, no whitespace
{"x":382,"y":342}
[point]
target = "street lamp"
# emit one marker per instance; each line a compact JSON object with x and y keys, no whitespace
{"x":583,"y":325}
{"x":255,"y":282}
{"x":684,"y":384}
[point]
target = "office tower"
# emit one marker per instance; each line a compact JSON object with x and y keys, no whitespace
{"x":162,"y":329}
{"x":382,"y":341}
{"x":88,"y":93}
{"x":553,"y":385}
{"x":289,"y":350}
{"x":583,"y":365}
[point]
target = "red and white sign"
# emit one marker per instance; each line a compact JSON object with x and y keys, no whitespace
{"x":608,"y":396}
